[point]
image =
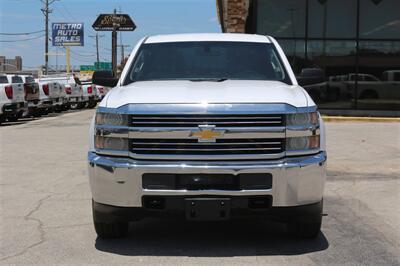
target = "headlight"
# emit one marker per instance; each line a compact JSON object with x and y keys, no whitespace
{"x":302,"y":119}
{"x":111,"y":119}
{"x":109,"y":143}
{"x":302,"y":143}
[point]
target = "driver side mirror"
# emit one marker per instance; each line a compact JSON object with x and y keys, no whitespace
{"x":104,"y":78}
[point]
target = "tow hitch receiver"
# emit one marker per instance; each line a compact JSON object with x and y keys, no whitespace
{"x":207,"y":209}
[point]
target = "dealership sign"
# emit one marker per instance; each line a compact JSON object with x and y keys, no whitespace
{"x":114,"y":22}
{"x":67,"y":34}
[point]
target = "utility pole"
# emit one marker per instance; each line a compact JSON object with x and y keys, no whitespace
{"x":122,"y":52}
{"x":46,"y":11}
{"x":114,"y":45}
{"x":97,"y":36}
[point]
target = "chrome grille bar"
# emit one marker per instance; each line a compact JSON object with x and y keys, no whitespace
{"x":217,"y":120}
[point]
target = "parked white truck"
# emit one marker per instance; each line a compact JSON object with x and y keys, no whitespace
{"x":12,"y":98}
{"x":89,"y":94}
{"x":206,"y":127}
{"x":32,"y":95}
{"x":51,"y":95}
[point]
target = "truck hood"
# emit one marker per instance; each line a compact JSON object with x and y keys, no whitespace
{"x":229,"y":91}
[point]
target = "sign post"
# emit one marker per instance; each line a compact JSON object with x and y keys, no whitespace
{"x":114,"y":22}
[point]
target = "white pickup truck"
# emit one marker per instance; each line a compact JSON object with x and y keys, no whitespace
{"x":206,"y":127}
{"x":51,"y":95}
{"x":12,"y":98}
{"x":72,"y":92}
{"x":89,"y":94}
{"x":32,"y":95}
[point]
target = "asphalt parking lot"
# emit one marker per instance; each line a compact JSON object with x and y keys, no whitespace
{"x":46,"y":206}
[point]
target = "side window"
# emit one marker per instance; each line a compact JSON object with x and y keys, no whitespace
{"x":276,"y":64}
{"x":138,"y":66}
{"x":370,"y":78}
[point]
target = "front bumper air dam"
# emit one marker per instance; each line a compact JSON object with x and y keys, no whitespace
{"x":296,"y":181}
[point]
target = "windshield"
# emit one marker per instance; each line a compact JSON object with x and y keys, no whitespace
{"x":199,"y":61}
{"x":16,"y":79}
{"x":29,"y":80}
{"x":3,"y":79}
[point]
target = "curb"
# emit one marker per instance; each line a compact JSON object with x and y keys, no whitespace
{"x":360,"y":119}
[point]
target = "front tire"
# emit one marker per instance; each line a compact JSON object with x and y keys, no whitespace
{"x":305,"y":229}
{"x":111,"y":230}
{"x":307,"y":225}
{"x":107,"y":227}
{"x":13,"y":118}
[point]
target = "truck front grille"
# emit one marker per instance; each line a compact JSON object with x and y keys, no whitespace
{"x":219,"y":121}
{"x":219,"y":147}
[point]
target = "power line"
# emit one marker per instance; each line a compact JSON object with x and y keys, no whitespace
{"x":22,"y":33}
{"x":21,"y":40}
{"x":67,"y":11}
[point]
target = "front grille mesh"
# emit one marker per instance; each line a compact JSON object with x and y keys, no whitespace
{"x":193,"y":147}
{"x":217,"y":120}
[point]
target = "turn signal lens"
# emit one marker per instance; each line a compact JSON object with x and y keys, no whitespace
{"x":302,"y":143}
{"x":108,"y":143}
{"x":111,"y":119}
{"x":302,"y":119}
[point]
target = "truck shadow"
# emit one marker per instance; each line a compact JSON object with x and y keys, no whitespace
{"x":210,"y":239}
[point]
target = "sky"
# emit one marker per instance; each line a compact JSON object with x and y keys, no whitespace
{"x":150,"y":16}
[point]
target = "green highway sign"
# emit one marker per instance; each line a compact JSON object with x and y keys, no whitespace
{"x":103,"y":65}
{"x":87,"y":68}
{"x":97,"y":66}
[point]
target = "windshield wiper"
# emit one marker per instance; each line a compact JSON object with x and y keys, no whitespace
{"x":208,"y":79}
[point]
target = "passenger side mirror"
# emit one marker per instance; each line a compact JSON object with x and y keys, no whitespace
{"x":104,"y":78}
{"x":309,"y":76}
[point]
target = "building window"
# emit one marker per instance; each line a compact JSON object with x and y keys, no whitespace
{"x":379,"y":72}
{"x":379,"y":19}
{"x":295,"y":52}
{"x":332,"y":18}
{"x":281,"y":18}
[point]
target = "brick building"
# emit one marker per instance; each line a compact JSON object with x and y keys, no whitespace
{"x":8,"y":64}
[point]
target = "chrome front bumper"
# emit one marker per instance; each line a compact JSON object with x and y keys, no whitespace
{"x":296,"y":180}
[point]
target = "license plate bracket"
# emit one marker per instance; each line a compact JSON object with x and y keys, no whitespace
{"x":207,"y":209}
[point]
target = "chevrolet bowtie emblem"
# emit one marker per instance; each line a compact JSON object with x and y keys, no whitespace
{"x":207,"y":133}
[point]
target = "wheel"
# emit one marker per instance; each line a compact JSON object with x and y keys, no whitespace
{"x":111,"y":230}
{"x":36,"y":113}
{"x":369,"y":94}
{"x":12,"y":118}
{"x":307,"y":225}
{"x":305,"y":229}
{"x":58,"y":109}
{"x":2,"y":119}
{"x":44,"y":111}
{"x":106,"y":227}
{"x":92,"y":105}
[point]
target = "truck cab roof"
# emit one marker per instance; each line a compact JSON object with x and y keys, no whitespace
{"x":217,"y":37}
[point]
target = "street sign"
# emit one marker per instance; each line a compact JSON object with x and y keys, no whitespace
{"x":96,"y":66}
{"x":103,"y":66}
{"x":67,"y":34}
{"x":114,"y":22}
{"x":87,"y":68}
